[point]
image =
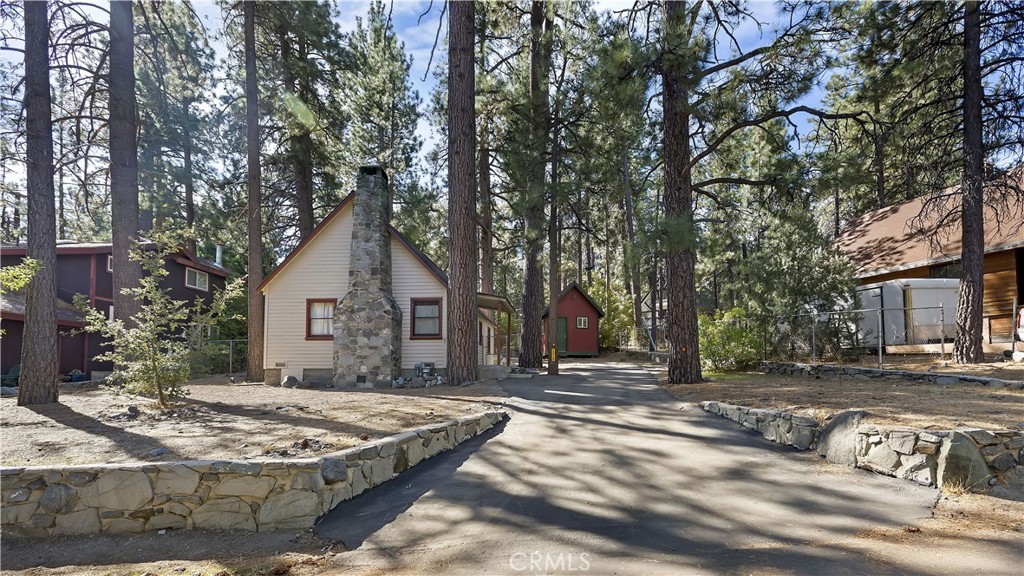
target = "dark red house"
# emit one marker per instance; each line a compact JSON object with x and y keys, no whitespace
{"x":85,"y":268}
{"x":578,"y":317}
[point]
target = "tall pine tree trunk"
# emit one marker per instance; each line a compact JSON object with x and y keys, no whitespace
{"x":190,"y":191}
{"x":254,"y":371}
{"x":462,"y":281}
{"x":879,"y":159}
{"x":531,"y":350}
{"x":486,"y":215}
{"x":484,"y":176}
{"x":967,"y":347}
{"x":554,"y":255}
{"x":300,"y":142}
{"x":39,"y":370}
{"x":628,"y":254}
{"x":684,"y":354}
{"x":124,"y":162}
{"x":590,"y":255}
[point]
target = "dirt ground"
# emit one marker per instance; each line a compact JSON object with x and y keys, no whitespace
{"x":960,"y":520}
{"x":220,"y":420}
{"x":961,"y":523}
{"x":898,"y":402}
{"x":991,"y":367}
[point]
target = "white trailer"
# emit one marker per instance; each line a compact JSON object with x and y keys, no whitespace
{"x":914,"y":311}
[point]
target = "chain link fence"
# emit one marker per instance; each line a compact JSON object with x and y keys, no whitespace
{"x":222,"y":356}
{"x":839,"y":336}
{"x":845,"y":336}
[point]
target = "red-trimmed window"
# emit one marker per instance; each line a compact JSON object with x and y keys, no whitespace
{"x":426,"y":319}
{"x":320,"y":318}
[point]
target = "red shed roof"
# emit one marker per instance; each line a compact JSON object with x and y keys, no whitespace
{"x":571,"y":286}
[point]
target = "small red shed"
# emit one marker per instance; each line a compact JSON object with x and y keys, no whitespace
{"x":578,"y":317}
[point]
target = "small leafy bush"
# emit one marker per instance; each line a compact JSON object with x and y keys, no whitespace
{"x":727,"y":340}
{"x":154,"y":353}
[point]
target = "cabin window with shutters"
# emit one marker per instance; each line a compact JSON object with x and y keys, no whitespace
{"x":320,"y":318}
{"x":426,"y":319}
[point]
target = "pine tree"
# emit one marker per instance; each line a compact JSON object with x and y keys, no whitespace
{"x":124,"y":162}
{"x":38,"y":383}
{"x":462,"y":279}
{"x":254,"y":371}
{"x":531,"y":348}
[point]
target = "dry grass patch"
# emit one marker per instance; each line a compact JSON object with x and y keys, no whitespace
{"x":890,"y":401}
{"x":991,"y":367}
{"x":220,"y":420}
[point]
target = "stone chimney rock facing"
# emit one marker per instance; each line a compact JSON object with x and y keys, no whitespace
{"x":367,"y":320}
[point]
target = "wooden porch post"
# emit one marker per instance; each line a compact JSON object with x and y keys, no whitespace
{"x":508,"y":339}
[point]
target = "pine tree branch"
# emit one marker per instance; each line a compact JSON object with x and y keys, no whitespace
{"x":787,"y":113}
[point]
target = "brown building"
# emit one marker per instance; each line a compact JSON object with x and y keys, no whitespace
{"x":918,"y":240}
{"x":85,"y":268}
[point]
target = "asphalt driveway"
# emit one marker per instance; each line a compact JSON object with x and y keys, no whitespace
{"x":599,"y":471}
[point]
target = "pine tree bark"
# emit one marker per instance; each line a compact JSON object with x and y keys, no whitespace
{"x":967,"y":347}
{"x":486,"y":215}
{"x":684,"y":353}
{"x":39,"y":369}
{"x":301,"y":141}
{"x":254,"y":370}
{"x":631,"y":263}
{"x":554,"y":255}
{"x":531,"y":351}
{"x":124,"y":162}
{"x":462,"y":276}
{"x":190,"y":191}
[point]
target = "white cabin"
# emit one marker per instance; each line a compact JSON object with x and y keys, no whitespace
{"x":301,"y":292}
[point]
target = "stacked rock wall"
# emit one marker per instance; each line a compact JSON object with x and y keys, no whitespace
{"x":777,"y":426}
{"x":225,"y":495}
{"x":970,"y":458}
{"x":973,"y":459}
{"x":860,"y":373}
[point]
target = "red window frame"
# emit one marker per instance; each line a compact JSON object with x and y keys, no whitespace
{"x":413,"y":303}
{"x":309,"y":319}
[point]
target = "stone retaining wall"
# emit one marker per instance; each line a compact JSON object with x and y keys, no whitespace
{"x":977,"y":460}
{"x":251,"y":495}
{"x":777,"y":426}
{"x":861,"y":373}
{"x":974,"y":459}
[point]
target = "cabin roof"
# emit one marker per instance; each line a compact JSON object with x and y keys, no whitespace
{"x":926,"y":230}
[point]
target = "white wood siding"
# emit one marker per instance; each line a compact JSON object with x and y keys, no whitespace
{"x":320,"y":270}
{"x":410,"y":279}
{"x":482,"y":357}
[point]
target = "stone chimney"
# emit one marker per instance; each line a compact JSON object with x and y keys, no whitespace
{"x":367,"y":320}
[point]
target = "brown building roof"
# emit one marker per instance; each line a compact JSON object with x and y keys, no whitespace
{"x":12,"y":307}
{"x":902,"y":236}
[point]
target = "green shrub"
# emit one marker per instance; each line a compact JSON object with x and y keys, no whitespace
{"x":727,"y":340}
{"x":154,"y":354}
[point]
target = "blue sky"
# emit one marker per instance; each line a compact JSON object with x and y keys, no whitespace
{"x":418,"y":31}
